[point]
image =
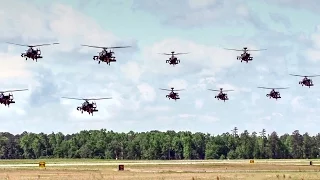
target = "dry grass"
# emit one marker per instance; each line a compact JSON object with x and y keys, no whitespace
{"x":228,"y":171}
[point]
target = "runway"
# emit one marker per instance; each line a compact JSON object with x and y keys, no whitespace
{"x":184,"y":162}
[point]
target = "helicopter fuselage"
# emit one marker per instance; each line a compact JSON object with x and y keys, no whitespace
{"x":173,"y":61}
{"x":90,"y":108}
{"x":7,"y":100}
{"x":222,"y":96}
{"x":274,"y":94}
{"x":245,"y":57}
{"x":306,"y":82}
{"x":173,"y":95}
{"x":32,"y":54}
{"x":105,"y":57}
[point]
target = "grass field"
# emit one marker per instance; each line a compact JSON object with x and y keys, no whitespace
{"x":88,"y":169}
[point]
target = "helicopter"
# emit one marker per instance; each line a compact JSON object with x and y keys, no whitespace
{"x":87,"y":106}
{"x":221,"y":95}
{"x":305,"y":81}
{"x":273,"y":94}
{"x":31,"y":53}
{"x":8,"y":99}
{"x":172,"y":94}
{"x":104,"y":55}
{"x":173,"y":60}
{"x":245,"y":56}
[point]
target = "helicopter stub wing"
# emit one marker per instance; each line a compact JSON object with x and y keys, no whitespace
{"x":14,"y":90}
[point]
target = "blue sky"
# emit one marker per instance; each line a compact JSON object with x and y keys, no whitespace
{"x":289,"y":30}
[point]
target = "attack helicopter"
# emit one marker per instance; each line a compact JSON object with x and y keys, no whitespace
{"x":31,"y":53}
{"x":87,"y":106}
{"x":245,"y":56}
{"x":273,"y":94}
{"x":172,"y":95}
{"x":173,"y":60}
{"x":221,"y":95}
{"x":104,"y":55}
{"x":8,"y":99}
{"x":305,"y":81}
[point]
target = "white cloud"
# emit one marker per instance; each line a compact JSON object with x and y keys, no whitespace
{"x":13,"y":67}
{"x":313,"y":53}
{"x":243,"y":10}
{"x":236,"y":89}
{"x":155,"y":109}
{"x":132,"y":71}
{"x":147,"y":92}
{"x":198,"y":104}
{"x":296,"y":103}
{"x":178,"y":84}
{"x":200,"y":118}
{"x":195,"y":4}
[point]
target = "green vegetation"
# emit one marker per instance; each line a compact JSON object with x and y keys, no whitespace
{"x":155,"y":145}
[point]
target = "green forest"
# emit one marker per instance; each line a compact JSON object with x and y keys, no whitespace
{"x":156,"y":145}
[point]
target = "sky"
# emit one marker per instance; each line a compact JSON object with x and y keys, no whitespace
{"x":288,"y":29}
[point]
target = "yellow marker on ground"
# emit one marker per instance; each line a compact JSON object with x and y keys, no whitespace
{"x":42,"y":164}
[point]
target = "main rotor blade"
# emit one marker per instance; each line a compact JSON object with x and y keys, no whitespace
{"x":166,"y":89}
{"x":264,"y":88}
{"x":179,"y":53}
{"x":303,"y":76}
{"x":94,"y":46}
{"x":227,"y":90}
{"x":178,"y":89}
{"x":257,"y":50}
{"x":95,"y":99}
{"x":282,"y":88}
{"x":44,"y":44}
{"x":233,"y":49}
{"x":273,"y":88}
{"x":14,"y":90}
{"x":117,"y":47}
{"x":18,"y":44}
{"x":73,"y":98}
{"x":112,"y":47}
{"x":213,"y":90}
{"x":296,"y":75}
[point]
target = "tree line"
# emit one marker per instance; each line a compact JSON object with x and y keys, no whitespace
{"x":170,"y":145}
